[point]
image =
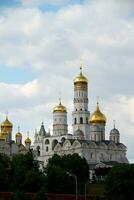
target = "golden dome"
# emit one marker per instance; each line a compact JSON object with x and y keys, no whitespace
{"x":6,"y":123}
{"x":18,"y":134}
{"x":60,"y":108}
{"x":97,"y":116}
{"x":28,"y":141}
{"x":80,"y":79}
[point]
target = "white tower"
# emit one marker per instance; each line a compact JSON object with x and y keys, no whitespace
{"x":81,"y":114}
{"x":114,"y":135}
{"x":60,"y":126}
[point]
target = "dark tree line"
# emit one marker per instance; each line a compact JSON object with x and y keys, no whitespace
{"x":58,"y":170}
{"x":120,"y":182}
{"x":21,"y":174}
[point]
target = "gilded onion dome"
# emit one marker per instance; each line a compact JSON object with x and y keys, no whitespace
{"x":97,"y":116}
{"x":18,"y":134}
{"x":80,"y":82}
{"x":28,"y":141}
{"x":60,"y":108}
{"x":6,"y":123}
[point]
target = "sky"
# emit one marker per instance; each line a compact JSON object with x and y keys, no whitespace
{"x":42,"y":43}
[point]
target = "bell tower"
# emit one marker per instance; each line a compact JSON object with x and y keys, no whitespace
{"x":81,"y":114}
{"x":60,"y":126}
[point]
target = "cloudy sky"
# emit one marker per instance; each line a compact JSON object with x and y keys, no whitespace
{"x":41,"y":45}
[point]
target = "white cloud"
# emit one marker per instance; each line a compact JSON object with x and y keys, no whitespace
{"x":30,"y":89}
{"x":52,"y":43}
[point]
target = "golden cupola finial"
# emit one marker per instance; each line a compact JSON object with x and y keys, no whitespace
{"x":27,"y":141}
{"x":80,"y":82}
{"x":81,"y":66}
{"x":6,"y":123}
{"x":18,"y":134}
{"x":60,"y":108}
{"x":97,"y":117}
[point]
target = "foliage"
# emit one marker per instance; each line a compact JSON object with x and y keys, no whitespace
{"x":120,"y":182}
{"x":101,"y":173}
{"x":58,"y":179}
{"x":25,"y":174}
{"x":4,"y":172}
{"x":21,"y":173}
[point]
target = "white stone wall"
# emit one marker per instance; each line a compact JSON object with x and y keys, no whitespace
{"x":60,"y":126}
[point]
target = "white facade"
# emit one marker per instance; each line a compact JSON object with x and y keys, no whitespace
{"x":60,"y":126}
{"x":88,"y":137}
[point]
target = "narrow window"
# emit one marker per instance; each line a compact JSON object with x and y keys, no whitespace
{"x":46,"y":148}
{"x":38,"y":150}
{"x":81,"y":120}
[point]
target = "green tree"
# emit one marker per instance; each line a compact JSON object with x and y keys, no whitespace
{"x":25,"y":174}
{"x":5,"y":166}
{"x":120,"y":182}
{"x":58,"y":179}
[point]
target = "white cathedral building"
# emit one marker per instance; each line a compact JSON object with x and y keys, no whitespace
{"x":88,"y":136}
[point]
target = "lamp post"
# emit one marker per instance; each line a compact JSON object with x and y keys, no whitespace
{"x":86,"y":190}
{"x":75,"y":177}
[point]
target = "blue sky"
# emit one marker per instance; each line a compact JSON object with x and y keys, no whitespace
{"x":9,"y":3}
{"x":41,"y":45}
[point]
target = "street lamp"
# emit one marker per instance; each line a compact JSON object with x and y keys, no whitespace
{"x":86,"y":190}
{"x":75,"y":177}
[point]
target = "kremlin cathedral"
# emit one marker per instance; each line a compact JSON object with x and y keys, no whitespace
{"x":9,"y":146}
{"x":88,"y":135}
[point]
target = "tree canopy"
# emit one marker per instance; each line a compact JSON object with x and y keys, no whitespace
{"x":5,"y":167}
{"x":120,"y":182}
{"x":21,"y":173}
{"x":59,"y":168}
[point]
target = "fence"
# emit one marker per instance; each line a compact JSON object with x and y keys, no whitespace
{"x":53,"y":196}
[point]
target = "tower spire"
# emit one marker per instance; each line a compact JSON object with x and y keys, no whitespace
{"x":18,"y":129}
{"x":98,"y":103}
{"x":6,"y":115}
{"x":114,"y":123}
{"x":59,"y":98}
{"x":81,"y":66}
{"x":27,"y":134}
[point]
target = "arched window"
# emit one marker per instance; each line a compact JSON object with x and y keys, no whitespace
{"x":81,"y":109}
{"x":63,"y":139}
{"x":86,"y":120}
{"x":91,"y":155}
{"x":54,"y":142}
{"x":47,"y":141}
{"x":75,"y":121}
{"x":38,"y":150}
{"x":81,"y":120}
